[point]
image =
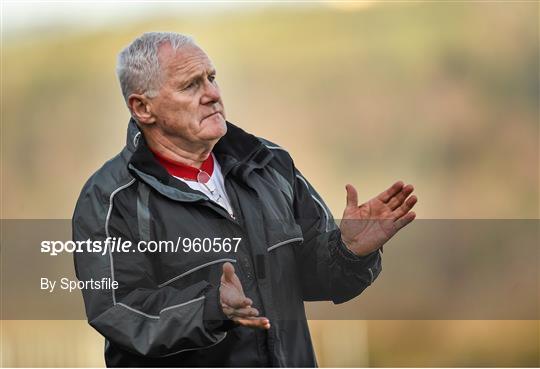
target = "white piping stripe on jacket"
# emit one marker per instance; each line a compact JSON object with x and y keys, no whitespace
{"x":195,"y":269}
{"x":137,"y":311}
{"x":162,"y":310}
{"x":107,"y":234}
{"x":282,"y":243}
{"x":182,"y":304}
{"x":275,"y":148}
{"x":136,"y":139}
{"x":317,"y":201}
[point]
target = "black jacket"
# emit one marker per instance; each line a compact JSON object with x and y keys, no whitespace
{"x":165,"y":311}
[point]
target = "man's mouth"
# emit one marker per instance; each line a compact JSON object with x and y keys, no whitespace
{"x":211,"y":115}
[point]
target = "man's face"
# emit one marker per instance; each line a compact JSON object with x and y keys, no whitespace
{"x":189,"y":104}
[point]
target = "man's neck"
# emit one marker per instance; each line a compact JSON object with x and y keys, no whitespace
{"x":178,"y":150}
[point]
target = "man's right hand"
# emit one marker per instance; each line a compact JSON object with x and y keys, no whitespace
{"x":234,"y":302}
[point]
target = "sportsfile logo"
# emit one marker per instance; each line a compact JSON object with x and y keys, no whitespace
{"x":117,"y":245}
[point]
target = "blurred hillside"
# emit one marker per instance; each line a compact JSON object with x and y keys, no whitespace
{"x":441,"y":95}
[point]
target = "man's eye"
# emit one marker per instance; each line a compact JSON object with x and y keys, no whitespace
{"x":190,"y":85}
{"x":212,"y":77}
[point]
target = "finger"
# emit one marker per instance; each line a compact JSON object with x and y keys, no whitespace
{"x":398,"y":199}
{"x":230,"y":278}
{"x":253,"y":324}
{"x":238,"y":303}
{"x":228,"y":272}
{"x":352,"y":196}
{"x":246,"y":312}
{"x":258,"y":323}
{"x":386,"y":195}
{"x":404,"y":208}
{"x":406,"y":219}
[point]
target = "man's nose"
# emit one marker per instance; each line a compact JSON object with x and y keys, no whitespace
{"x":211,"y":93}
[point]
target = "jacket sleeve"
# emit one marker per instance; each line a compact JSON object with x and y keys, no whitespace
{"x":328,"y":269}
{"x":139,"y":316}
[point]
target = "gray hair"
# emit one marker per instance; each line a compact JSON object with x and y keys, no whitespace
{"x":138,"y":67}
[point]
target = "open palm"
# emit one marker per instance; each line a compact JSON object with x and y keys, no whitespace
{"x":368,"y":227}
{"x":234,"y":303}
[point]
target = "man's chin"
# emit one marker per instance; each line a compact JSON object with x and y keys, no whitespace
{"x":214,"y":127}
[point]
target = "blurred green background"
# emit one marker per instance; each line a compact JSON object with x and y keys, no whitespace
{"x":441,"y":95}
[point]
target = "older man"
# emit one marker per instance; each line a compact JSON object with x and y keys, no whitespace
{"x":247,"y":238}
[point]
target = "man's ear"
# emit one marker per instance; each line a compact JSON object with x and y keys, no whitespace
{"x":140,"y":108}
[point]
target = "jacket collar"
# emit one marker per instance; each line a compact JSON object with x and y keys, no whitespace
{"x":238,"y":152}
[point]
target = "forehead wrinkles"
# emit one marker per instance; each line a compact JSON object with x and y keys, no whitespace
{"x":183,"y":65}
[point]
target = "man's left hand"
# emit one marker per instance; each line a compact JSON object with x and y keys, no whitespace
{"x":367,"y":227}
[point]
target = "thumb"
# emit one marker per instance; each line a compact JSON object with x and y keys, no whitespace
{"x":229,"y":278}
{"x":352,"y":196}
{"x":228,"y":272}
